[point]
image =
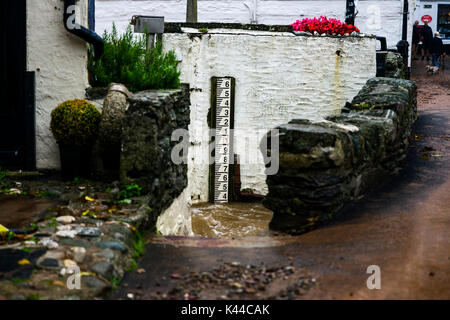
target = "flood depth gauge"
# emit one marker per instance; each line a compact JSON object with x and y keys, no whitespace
{"x":222,"y":120}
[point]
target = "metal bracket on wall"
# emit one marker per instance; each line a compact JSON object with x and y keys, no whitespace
{"x":151,"y":25}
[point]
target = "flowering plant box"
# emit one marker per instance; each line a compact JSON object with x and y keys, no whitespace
{"x":323,"y":25}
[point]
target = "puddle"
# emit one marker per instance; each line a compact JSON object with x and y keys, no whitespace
{"x":18,"y":212}
{"x":232,"y":220}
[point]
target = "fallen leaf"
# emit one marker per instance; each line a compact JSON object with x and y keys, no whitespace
{"x":86,"y":274}
{"x":58,"y":283}
{"x":89,"y":199}
{"x":24,"y":262}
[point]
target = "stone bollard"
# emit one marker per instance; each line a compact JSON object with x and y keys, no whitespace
{"x":110,"y":130}
{"x":394,"y":65}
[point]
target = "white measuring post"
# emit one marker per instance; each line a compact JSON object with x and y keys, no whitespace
{"x":223,"y":140}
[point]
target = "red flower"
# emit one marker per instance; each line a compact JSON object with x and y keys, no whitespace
{"x":323,"y":25}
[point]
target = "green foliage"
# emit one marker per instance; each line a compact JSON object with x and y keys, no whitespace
{"x":34,"y":296}
{"x":114,"y":283}
{"x":126,"y":60}
{"x":78,"y":180}
{"x":17,"y":281}
{"x":129,"y":191}
{"x":203,"y":30}
{"x":138,"y":245}
{"x":45,"y":194}
{"x":133,"y":266}
{"x":2,"y":174}
{"x":52,"y":223}
{"x":75,"y":123}
{"x":3,"y":179}
{"x":138,"y":250}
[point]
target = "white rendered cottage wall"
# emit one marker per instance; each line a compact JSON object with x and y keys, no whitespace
{"x":279,"y":76}
{"x":59,"y":60}
{"x":379,"y":17}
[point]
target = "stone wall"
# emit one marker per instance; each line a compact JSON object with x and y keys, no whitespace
{"x":279,"y":76}
{"x":145,"y":159}
{"x":325,"y":164}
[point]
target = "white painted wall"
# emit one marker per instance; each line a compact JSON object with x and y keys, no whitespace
{"x":279,"y":76}
{"x":59,"y":59}
{"x":380,"y":17}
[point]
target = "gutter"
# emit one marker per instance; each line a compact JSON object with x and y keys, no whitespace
{"x":80,"y":31}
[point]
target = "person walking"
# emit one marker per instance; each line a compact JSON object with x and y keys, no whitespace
{"x":436,"y":48}
{"x":427,"y":35}
{"x":415,"y":39}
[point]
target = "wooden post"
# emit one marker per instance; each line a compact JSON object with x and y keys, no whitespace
{"x":191,"y":11}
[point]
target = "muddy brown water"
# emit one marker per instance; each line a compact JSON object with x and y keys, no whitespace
{"x":19,"y":212}
{"x":231,"y":220}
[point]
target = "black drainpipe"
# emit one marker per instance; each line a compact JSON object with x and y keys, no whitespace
{"x":350,"y":12}
{"x":403,"y":45}
{"x":80,"y":31}
{"x":405,"y":20}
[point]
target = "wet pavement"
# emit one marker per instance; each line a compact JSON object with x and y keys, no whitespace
{"x":19,"y":212}
{"x":402,"y":227}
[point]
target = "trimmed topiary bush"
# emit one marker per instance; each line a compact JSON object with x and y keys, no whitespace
{"x":75,"y":123}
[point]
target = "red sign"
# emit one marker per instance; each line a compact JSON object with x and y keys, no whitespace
{"x":426,"y":18}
